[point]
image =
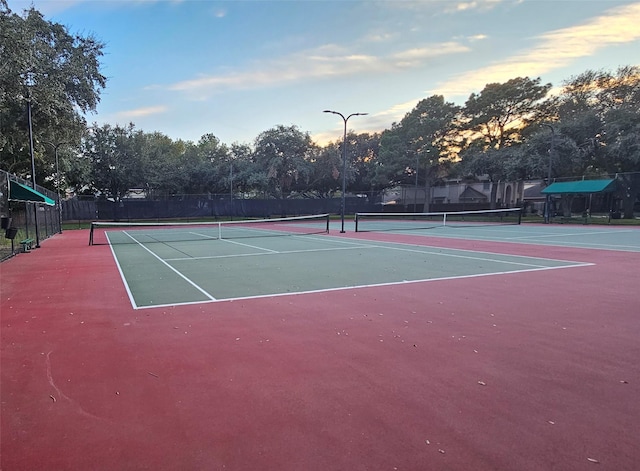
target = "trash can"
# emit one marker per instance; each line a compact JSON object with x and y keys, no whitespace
{"x":6,"y":222}
{"x":11,"y":233}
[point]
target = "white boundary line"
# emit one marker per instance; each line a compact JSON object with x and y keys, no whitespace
{"x":172,"y":269}
{"x":373,"y":285}
{"x":271,"y":252}
{"x":249,"y":245}
{"x":122,"y":277}
{"x":531,"y":239}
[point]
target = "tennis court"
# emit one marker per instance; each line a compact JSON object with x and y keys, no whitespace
{"x":164,"y":266}
{"x":480,"y":346}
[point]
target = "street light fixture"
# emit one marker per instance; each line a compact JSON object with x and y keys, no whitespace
{"x":55,"y":150}
{"x":344,"y":161}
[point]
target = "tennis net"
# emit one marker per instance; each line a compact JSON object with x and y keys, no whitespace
{"x":102,"y":233}
{"x":372,"y":222}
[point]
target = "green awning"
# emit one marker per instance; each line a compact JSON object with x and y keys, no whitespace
{"x":584,"y":187}
{"x":20,"y":192}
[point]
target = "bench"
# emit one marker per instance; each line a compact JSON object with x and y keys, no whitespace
{"x":26,"y":245}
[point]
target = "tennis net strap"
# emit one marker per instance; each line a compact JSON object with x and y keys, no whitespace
{"x":368,"y":222}
{"x":165,"y":232}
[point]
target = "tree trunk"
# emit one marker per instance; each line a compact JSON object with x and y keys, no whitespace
{"x":427,"y":196}
{"x":630,"y":191}
{"x":494,"y":194}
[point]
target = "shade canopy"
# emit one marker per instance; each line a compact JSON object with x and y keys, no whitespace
{"x":20,"y":192}
{"x":584,"y":187}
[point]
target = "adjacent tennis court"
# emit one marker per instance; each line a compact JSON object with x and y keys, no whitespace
{"x":279,"y":345}
{"x":500,"y":226}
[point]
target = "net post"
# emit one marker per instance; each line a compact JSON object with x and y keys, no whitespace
{"x":355,"y":220}
{"x":328,"y":221}
{"x":91,"y":234}
{"x":219,"y":231}
{"x":444,"y":219}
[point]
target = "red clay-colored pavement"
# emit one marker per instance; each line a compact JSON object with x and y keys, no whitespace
{"x":531,"y":371}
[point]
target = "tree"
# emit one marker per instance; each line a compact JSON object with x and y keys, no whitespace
{"x":325,"y":171}
{"x":160,"y":158}
{"x":57,"y":72}
{"x":416,"y":149}
{"x":116,"y":166}
{"x":600,"y":112}
{"x":282,"y":153}
{"x":365,"y":150}
{"x":214,"y":168}
{"x":244,"y":177}
{"x":496,"y":115}
{"x":494,"y":120}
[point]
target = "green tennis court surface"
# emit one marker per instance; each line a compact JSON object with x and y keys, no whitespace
{"x":162,"y":273}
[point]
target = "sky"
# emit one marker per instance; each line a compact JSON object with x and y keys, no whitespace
{"x":237,"y":68}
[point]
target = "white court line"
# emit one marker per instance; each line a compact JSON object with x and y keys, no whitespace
{"x":481,"y":259}
{"x":531,"y":239}
{"x":172,"y":269}
{"x":249,"y":245}
{"x":124,"y":280}
{"x":431,"y":247}
{"x":360,"y":245}
{"x":567,"y":235}
{"x":272,"y":252}
{"x":373,"y":285}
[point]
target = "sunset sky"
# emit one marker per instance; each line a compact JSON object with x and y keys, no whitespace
{"x":237,"y":68}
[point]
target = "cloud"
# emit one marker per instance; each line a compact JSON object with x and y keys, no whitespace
{"x":324,"y":62}
{"x":447,"y":6}
{"x":140,"y":112}
{"x":477,"y":37}
{"x":473,"y":5}
{"x":220,"y":13}
{"x":555,"y":50}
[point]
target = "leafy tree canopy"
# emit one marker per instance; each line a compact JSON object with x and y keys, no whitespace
{"x":57,"y":72}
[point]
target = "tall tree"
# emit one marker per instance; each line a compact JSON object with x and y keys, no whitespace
{"x":282,"y":153}
{"x":364,"y":162}
{"x":325,"y":171}
{"x":57,"y":72}
{"x":161,"y":160}
{"x":496,"y":115}
{"x":415,"y":151}
{"x":600,"y":111}
{"x":494,"y":119}
{"x":116,"y":164}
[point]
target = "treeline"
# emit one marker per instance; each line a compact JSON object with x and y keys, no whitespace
{"x":519,"y":129}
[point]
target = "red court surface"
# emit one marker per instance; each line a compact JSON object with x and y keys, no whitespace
{"x":528,"y":371}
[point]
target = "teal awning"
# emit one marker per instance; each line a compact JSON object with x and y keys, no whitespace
{"x":584,"y":187}
{"x":20,"y":192}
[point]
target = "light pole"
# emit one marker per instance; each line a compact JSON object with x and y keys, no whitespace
{"x":55,"y":150}
{"x":344,"y":161}
{"x":231,"y":187}
{"x":415,"y":191}
{"x":547,"y":208}
{"x":29,"y":83}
